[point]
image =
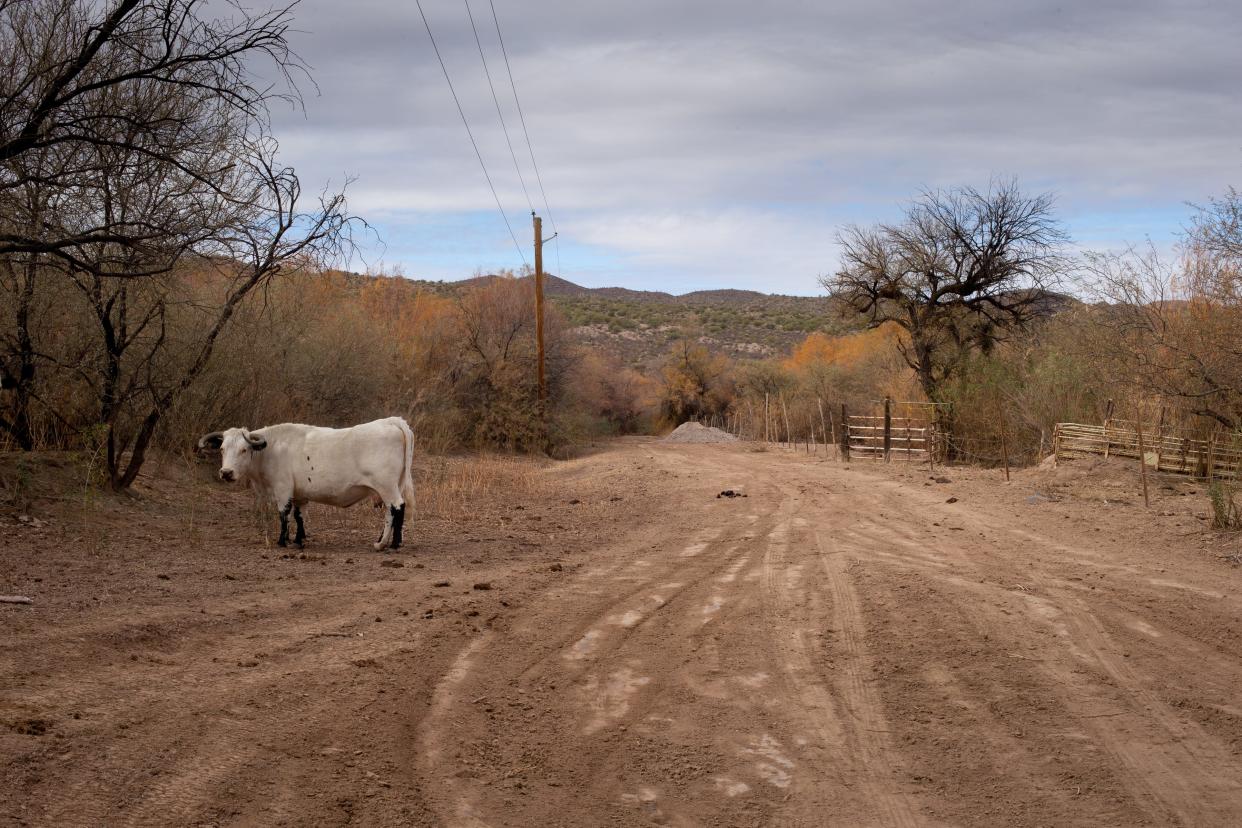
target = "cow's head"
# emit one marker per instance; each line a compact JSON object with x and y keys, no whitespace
{"x":237,"y":447}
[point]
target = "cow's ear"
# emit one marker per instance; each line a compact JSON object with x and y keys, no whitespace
{"x":211,"y":441}
{"x":256,"y":443}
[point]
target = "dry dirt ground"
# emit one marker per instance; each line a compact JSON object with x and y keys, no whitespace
{"x":605,"y":642}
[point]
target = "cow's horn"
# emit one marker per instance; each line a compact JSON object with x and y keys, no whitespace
{"x":212,"y":440}
{"x":256,"y":443}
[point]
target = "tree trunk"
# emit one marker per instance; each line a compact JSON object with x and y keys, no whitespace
{"x":22,"y":378}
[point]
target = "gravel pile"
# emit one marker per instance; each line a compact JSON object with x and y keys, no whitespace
{"x":697,"y":433}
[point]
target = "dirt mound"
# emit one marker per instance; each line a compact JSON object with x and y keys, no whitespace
{"x":699,"y":433}
{"x":1105,"y":480}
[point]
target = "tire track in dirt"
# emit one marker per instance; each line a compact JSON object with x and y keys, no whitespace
{"x":1180,"y":774}
{"x":841,"y":709}
{"x":620,"y":678}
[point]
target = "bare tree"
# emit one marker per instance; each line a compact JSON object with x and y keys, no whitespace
{"x":135,"y":165}
{"x":1173,"y":327}
{"x":961,"y":272}
{"x":154,"y":79}
{"x":1217,"y":229}
{"x":495,"y":370}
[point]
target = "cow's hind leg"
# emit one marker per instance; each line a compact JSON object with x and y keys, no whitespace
{"x":386,"y":534}
{"x":283,"y":540}
{"x":300,"y":537}
{"x":396,"y":517}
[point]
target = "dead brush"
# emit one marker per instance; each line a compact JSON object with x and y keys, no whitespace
{"x":1224,"y":508}
{"x":452,"y":488}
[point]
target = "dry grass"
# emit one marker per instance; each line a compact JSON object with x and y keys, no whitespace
{"x":451,"y":488}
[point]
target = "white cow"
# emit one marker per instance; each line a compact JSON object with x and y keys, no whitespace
{"x":297,"y":464}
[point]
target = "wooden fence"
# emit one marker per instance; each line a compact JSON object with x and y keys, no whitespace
{"x":1171,"y":453}
{"x":881,"y":437}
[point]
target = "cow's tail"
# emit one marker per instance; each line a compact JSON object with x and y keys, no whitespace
{"x":407,"y":470}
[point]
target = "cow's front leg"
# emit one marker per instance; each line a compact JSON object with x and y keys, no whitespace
{"x":300,"y":537}
{"x":283,"y":540}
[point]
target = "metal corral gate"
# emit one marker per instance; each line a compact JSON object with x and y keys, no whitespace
{"x":883,"y":436}
{"x":1213,"y":458}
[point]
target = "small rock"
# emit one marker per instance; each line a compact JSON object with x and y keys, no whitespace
{"x":163,"y":577}
{"x":574,"y":502}
{"x":442,"y":583}
{"x":951,"y":500}
{"x":391,"y":563}
{"x":483,"y":585}
{"x":942,"y":480}
{"x":555,"y":568}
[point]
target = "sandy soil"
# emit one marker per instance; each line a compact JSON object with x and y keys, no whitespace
{"x":842,"y":646}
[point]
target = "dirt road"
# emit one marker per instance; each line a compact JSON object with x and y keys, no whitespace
{"x":841,"y":646}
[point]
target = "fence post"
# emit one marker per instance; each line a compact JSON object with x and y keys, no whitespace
{"x":788,"y":434}
{"x":1138,"y":427}
{"x":1160,"y":438}
{"x":1004,"y":448}
{"x":767,"y":433}
{"x":845,"y":434}
{"x":888,"y":427}
{"x":1108,"y":416}
{"x":823,"y":427}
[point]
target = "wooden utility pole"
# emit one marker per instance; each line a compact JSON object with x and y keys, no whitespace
{"x":543,"y":381}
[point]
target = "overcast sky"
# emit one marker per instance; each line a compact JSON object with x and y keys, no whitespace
{"x":690,"y":145}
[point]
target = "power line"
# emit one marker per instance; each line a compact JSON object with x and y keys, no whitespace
{"x":496,"y":100}
{"x":470,"y":133}
{"x":530,"y":148}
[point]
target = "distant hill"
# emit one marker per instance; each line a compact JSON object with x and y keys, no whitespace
{"x":639,"y":325}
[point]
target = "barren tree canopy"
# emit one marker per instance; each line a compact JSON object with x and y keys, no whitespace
{"x":991,"y":253}
{"x":960,"y":270}
{"x":155,"y":99}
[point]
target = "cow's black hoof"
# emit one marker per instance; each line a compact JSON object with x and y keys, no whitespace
{"x":282,"y":544}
